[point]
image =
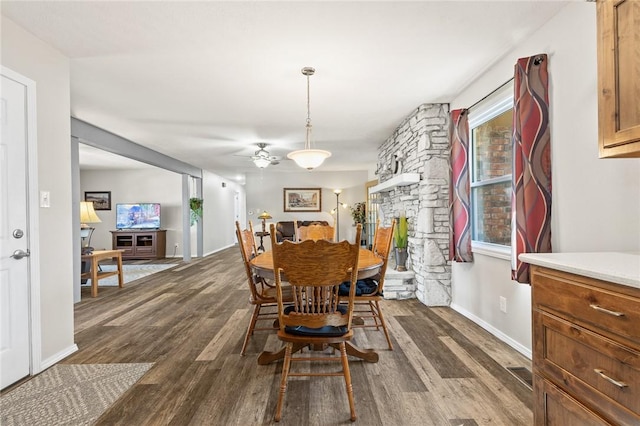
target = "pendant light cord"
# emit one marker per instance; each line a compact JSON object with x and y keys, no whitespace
{"x":308,"y":141}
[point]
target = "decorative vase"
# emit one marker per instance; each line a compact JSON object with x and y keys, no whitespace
{"x":401,"y":259}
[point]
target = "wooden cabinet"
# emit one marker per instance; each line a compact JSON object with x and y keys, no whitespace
{"x":619,"y":78}
{"x":140,"y":244}
{"x":586,"y":350}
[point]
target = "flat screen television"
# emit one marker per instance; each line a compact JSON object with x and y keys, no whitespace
{"x":138,"y":216}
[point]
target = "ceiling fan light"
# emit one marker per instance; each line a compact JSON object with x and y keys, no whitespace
{"x":309,"y":158}
{"x":261,"y":162}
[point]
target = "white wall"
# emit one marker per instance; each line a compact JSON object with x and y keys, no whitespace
{"x":265,"y":192}
{"x":219,"y":211}
{"x":29,"y":56}
{"x":596,"y":202}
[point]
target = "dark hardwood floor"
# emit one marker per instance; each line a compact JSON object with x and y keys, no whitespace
{"x":190,"y":322}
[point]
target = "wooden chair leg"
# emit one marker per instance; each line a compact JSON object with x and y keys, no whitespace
{"x":384,"y":325}
{"x":252,"y":325}
{"x":283,"y":381}
{"x":375,"y":309}
{"x":347,"y":379}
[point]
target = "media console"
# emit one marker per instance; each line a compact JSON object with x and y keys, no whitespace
{"x":140,"y":244}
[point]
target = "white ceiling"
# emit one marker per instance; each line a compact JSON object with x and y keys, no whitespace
{"x":204,"y":82}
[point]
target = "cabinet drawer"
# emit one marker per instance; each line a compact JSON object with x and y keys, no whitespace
{"x":599,"y":309}
{"x":554,"y":407}
{"x":604,"y":373}
{"x":126,"y":251}
{"x":144,"y":250}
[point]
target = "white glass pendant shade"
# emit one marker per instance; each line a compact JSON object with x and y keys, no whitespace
{"x":309,"y":158}
{"x":261,"y":162}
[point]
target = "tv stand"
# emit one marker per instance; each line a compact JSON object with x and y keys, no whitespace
{"x":140,"y":243}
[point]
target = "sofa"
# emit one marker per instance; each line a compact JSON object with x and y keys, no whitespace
{"x":286,"y":230}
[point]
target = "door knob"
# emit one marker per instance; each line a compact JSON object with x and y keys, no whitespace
{"x":19,"y":254}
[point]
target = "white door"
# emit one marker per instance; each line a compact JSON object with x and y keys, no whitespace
{"x":14,"y":260}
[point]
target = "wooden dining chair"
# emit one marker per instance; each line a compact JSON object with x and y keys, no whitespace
{"x":369,"y":292}
{"x":315,"y":270}
{"x":316,"y":232}
{"x":261,"y":294}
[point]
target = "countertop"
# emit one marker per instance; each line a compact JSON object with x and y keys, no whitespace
{"x":615,"y":267}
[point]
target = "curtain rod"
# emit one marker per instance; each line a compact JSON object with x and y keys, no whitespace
{"x":491,"y":93}
{"x":537,"y":60}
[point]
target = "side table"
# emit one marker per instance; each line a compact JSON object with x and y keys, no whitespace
{"x":95,"y":274}
{"x":262,"y":235}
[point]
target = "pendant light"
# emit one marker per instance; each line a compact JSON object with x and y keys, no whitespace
{"x":308,"y":158}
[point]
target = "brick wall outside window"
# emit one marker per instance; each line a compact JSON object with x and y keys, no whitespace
{"x":492,"y":149}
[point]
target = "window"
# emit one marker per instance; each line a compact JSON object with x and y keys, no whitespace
{"x":490,"y":128}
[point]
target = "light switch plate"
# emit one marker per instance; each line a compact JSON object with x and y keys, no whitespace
{"x":45,"y":199}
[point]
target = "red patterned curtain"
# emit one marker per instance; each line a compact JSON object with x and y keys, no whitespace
{"x":459,"y":204}
{"x":531,"y":182}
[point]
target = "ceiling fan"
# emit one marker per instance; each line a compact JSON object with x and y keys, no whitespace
{"x":262,"y":158}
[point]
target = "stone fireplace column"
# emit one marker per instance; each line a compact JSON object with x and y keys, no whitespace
{"x":422,"y":141}
{"x":433,"y":281}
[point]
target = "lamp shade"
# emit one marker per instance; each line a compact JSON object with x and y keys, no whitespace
{"x":264,"y":215}
{"x":309,"y":158}
{"x":87,"y":213}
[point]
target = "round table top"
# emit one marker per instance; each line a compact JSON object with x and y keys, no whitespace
{"x":369,"y":264}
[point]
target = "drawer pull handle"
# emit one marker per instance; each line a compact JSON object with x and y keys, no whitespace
{"x":607,"y":311}
{"x":609,"y":379}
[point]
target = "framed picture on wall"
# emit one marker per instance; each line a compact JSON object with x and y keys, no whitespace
{"x":302,"y":199}
{"x":101,"y":199}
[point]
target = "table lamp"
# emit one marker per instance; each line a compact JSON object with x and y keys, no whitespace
{"x":87,"y":215}
{"x":264,"y":216}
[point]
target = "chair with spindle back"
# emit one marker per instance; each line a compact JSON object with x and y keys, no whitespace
{"x":369,"y":292}
{"x":262,"y":295}
{"x":316,"y":232}
{"x":314,"y":270}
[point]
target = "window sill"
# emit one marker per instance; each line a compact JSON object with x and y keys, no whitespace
{"x":493,"y":250}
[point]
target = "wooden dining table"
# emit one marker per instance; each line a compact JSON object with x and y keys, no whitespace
{"x":369,"y":265}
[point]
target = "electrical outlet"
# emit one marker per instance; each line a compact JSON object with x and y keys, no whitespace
{"x":176,"y":246}
{"x":503,"y":304}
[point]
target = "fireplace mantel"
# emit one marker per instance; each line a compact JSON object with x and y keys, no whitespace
{"x":399,"y":180}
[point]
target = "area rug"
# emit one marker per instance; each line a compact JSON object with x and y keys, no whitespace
{"x":131,"y":273}
{"x":69,"y":394}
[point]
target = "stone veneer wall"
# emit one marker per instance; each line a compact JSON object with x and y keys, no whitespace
{"x":421,"y":145}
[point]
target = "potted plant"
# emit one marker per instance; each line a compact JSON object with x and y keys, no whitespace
{"x":195,"y":204}
{"x":359,"y":213}
{"x":401,"y":240}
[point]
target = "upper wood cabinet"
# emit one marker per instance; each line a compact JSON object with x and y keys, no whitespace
{"x":619,"y":78}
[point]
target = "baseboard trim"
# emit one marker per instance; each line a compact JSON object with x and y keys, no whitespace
{"x":56,"y":358}
{"x":220,"y":249}
{"x":491,"y":329}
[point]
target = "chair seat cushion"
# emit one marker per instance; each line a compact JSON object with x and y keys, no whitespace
{"x":366,"y":287}
{"x":327,"y":330}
